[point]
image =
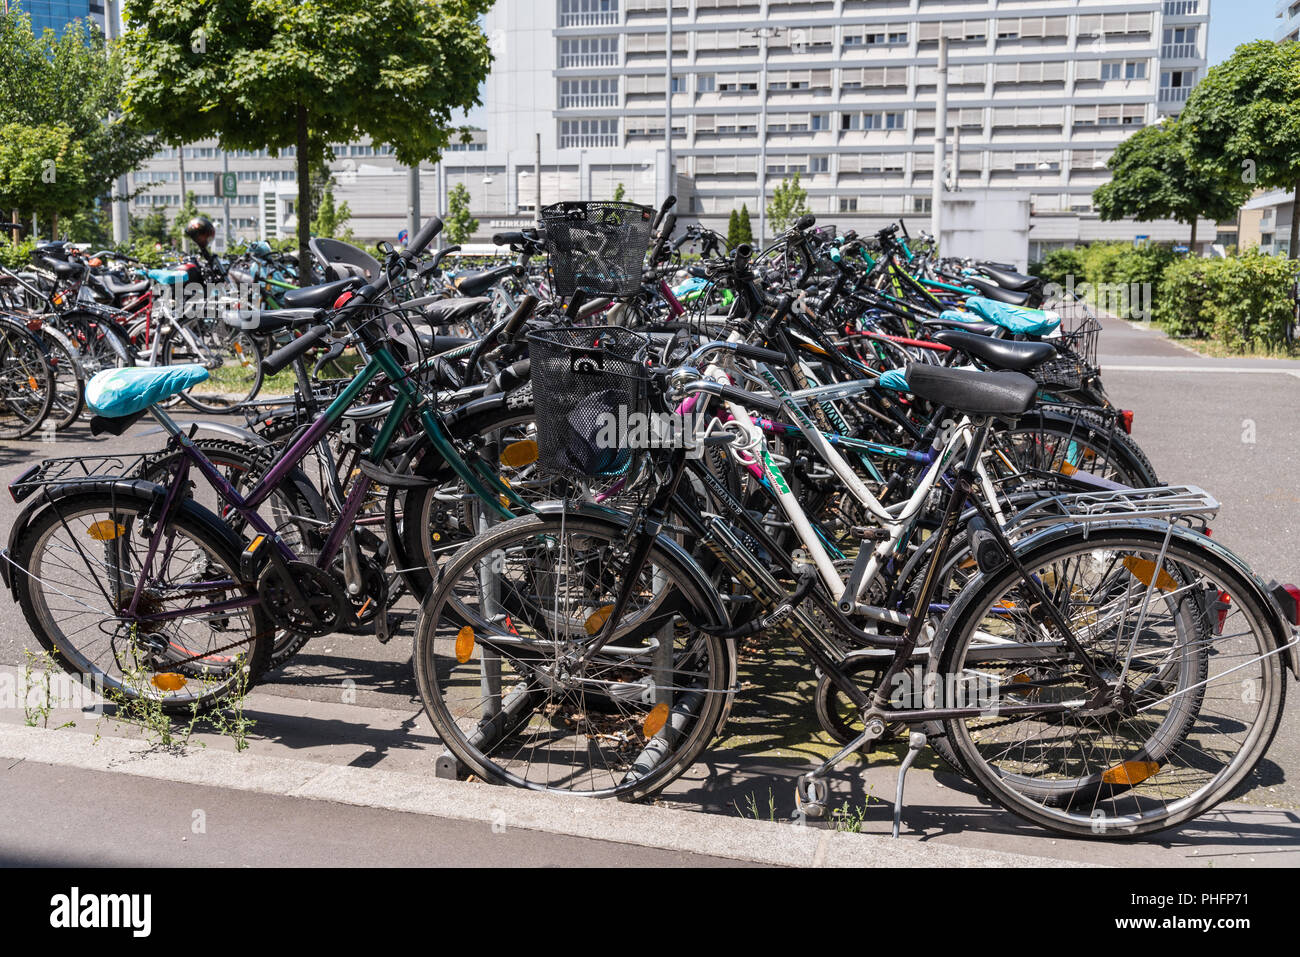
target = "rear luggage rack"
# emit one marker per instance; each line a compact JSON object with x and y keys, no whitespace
{"x":1170,"y":503}
{"x":83,"y":468}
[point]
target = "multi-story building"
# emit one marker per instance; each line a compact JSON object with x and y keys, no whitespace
{"x":843,"y":91}
{"x":57,"y":14}
{"x":1288,"y":11}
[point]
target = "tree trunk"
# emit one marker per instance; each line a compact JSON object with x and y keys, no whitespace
{"x":54,"y":227}
{"x":1292,"y":249}
{"x":1191,"y":249}
{"x":17,"y":221}
{"x":306,"y":275}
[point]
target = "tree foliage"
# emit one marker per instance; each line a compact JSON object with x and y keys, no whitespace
{"x":64,"y":90}
{"x":1245,"y":115}
{"x":744,"y":228}
{"x":305,"y":73}
{"x":1159,"y":173}
{"x":42,"y":169}
{"x":789,"y":202}
{"x":458,"y":224}
{"x":331,"y":219}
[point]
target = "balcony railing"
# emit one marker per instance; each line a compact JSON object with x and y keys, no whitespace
{"x":587,"y":101}
{"x":1174,"y":94}
{"x":598,"y":19}
{"x":573,"y":60}
{"x":1182,"y":8}
{"x":1176,"y":51}
{"x":587,"y":140}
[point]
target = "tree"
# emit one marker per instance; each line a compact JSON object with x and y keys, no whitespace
{"x":1157,"y":173}
{"x":733,"y":229}
{"x":71,"y":81}
{"x":42,"y":169}
{"x":619,"y":192}
{"x":789,"y":202}
{"x":331,"y":220}
{"x":189,"y":209}
{"x":459,"y":224}
{"x":1245,"y":116}
{"x":304,"y":73}
{"x":152,"y":226}
{"x":745,"y":232}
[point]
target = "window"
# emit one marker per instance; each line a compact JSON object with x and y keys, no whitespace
{"x":587,"y":13}
{"x":706,"y":83}
{"x":819,"y":164}
{"x":894,"y":121}
{"x":848,"y":204}
{"x":588,"y":94}
{"x":679,"y":84}
{"x":1123,"y":70}
{"x":820,"y":121}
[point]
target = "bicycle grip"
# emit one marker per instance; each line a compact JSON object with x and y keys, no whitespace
{"x":431,"y":228}
{"x":729,"y":393}
{"x":286,"y":354}
{"x":759,"y":354}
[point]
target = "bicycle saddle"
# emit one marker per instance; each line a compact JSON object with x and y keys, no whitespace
{"x":321,"y":296}
{"x":965,"y":390}
{"x":476,"y":283}
{"x":991,"y":290}
{"x":997,"y":353}
{"x":1022,"y":322}
{"x":1010,"y":279}
{"x":115,"y":393}
{"x":447,"y":311}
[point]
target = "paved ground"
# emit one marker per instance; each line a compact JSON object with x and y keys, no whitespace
{"x":1227,"y":425}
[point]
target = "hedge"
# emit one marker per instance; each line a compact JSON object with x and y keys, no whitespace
{"x":1241,"y":302}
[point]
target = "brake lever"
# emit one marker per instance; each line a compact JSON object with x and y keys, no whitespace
{"x":333,"y":352}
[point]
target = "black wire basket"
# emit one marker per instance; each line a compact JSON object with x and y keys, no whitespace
{"x":598,"y":247}
{"x":590,"y":386}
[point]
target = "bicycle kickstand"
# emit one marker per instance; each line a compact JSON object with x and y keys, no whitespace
{"x":915,"y":742}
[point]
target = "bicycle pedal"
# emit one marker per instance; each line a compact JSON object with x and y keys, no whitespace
{"x":384,"y":627}
{"x":253,"y":558}
{"x":811,"y":796}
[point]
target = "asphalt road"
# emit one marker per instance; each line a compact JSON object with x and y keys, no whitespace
{"x":1230,"y":426}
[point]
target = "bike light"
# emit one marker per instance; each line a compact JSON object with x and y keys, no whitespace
{"x":1288,"y":596}
{"x":34,"y":325}
{"x":464,"y":644}
{"x":655,"y":720}
{"x":1126,"y":420}
{"x":168,"y":681}
{"x":342,"y":300}
{"x":1130,"y":772}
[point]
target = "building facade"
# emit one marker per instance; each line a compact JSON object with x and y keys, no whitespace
{"x":57,"y":14}
{"x":841,"y":91}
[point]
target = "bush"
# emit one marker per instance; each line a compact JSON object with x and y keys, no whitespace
{"x":18,"y":256}
{"x":1241,"y":302}
{"x":1058,"y":265}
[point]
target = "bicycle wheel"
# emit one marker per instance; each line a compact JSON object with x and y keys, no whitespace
{"x":494,"y":652}
{"x":233,"y":358}
{"x":1195,"y":702}
{"x":27,"y":384}
{"x":102,"y":343}
{"x":79,"y":562}
{"x":70,"y":383}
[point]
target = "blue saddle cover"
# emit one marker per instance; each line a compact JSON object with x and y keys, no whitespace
{"x":895,"y":379}
{"x":114,"y":393}
{"x":1015,"y":319}
{"x":168,"y":277}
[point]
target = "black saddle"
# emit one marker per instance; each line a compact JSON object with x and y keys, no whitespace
{"x":447,"y":312}
{"x":976,"y":393}
{"x":476,"y":283}
{"x":997,"y":353}
{"x":977,"y":327}
{"x":991,"y":290}
{"x":319,"y":297}
{"x":1010,"y":279}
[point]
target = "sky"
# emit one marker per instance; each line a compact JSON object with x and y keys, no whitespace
{"x":1234,"y":22}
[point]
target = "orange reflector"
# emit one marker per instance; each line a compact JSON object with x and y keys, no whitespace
{"x":656,"y":719}
{"x":105,"y":531}
{"x":1020,"y":679}
{"x":1144,"y":571}
{"x":1068,"y":469}
{"x":598,"y":619}
{"x":464,"y":644}
{"x":31,"y":381}
{"x":518,"y":454}
{"x":169,"y":681}
{"x":1130,"y":772}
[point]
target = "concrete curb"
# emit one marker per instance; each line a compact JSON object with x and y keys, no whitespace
{"x":761,"y":842}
